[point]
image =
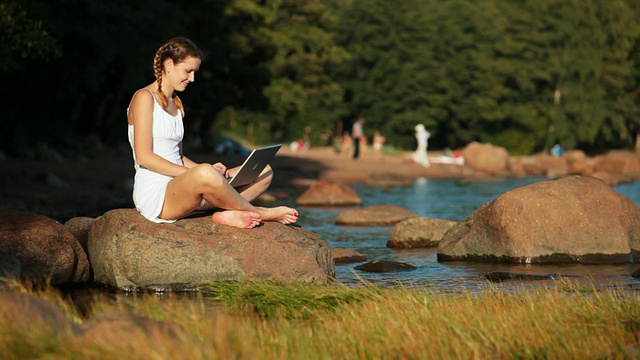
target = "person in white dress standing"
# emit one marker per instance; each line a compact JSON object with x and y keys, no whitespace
{"x":169,"y":185}
{"x":422,"y":138}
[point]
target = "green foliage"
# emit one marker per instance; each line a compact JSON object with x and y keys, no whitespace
{"x":494,"y":71}
{"x":22,"y":37}
{"x":521,"y":74}
{"x":291,"y":301}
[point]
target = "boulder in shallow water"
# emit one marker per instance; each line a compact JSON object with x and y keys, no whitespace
{"x":375,"y":215}
{"x":128,"y":251}
{"x":329,"y":193}
{"x":566,"y":220}
{"x":347,"y":256}
{"x":418,"y":233}
{"x":387,"y":180}
{"x":384,"y":266}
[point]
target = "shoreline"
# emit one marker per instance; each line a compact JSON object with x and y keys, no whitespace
{"x":84,"y":185}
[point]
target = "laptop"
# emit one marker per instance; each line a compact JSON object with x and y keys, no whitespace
{"x":254,"y":164}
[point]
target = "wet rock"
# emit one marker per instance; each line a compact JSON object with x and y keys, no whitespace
{"x":129,"y":251}
{"x":347,"y":256}
{"x":384,"y":266}
{"x":329,"y":193}
{"x":45,"y":248}
{"x":418,"y":233}
{"x":385,"y":180}
{"x":566,"y":220}
{"x":498,"y":276}
{"x":375,"y":215}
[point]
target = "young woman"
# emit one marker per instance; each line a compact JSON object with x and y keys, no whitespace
{"x":167,"y":184}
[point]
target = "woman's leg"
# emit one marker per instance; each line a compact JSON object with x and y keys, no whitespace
{"x":258,"y":187}
{"x":185,"y":193}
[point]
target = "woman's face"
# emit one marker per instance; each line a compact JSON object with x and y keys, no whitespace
{"x":182,"y":73}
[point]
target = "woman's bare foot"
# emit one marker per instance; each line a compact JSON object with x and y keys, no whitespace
{"x":282,"y":214}
{"x":237,"y":218}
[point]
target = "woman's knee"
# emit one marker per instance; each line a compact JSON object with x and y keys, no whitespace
{"x":206,"y":174}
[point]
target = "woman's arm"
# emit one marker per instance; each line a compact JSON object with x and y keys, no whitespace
{"x":141,"y":116}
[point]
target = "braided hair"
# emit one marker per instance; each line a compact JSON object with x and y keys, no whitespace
{"x":176,"y":49}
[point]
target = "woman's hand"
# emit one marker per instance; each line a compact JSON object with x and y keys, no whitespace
{"x":221,"y":169}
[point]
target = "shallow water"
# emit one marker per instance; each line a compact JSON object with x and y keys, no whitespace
{"x":454,"y":200}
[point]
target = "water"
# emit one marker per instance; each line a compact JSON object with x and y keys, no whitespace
{"x":454,"y":200}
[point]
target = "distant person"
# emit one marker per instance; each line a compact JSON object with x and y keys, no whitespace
{"x":167,"y":184}
{"x":306,"y":138}
{"x":378,"y":142}
{"x":422,"y":138}
{"x":357,"y":133}
{"x":556,"y":150}
{"x":347,"y":143}
{"x":329,"y":140}
{"x":364,"y":142}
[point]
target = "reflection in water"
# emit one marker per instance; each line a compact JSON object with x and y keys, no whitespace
{"x":446,"y":199}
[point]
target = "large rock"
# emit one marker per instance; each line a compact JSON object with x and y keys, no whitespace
{"x":619,"y":162}
{"x":419,"y":233}
{"x":329,"y":193}
{"x":485,"y":157}
{"x":569,"y":219}
{"x":128,"y":251}
{"x":46,"y":250}
{"x":375,"y":215}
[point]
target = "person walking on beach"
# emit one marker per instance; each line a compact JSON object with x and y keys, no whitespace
{"x":167,"y":184}
{"x":357,"y":133}
{"x":378,"y":141}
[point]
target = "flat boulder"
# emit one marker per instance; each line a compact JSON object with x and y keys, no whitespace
{"x":347,"y":256}
{"x":329,"y":193}
{"x":387,"y":180}
{"x":572,"y":219}
{"x":385,"y":266}
{"x":375,"y":215}
{"x":47,"y":251}
{"x":130,"y":252}
{"x":419,"y":233}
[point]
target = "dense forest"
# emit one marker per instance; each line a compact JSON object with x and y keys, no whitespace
{"x":523,"y":74}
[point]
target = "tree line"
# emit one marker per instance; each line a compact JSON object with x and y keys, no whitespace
{"x":523,"y":74}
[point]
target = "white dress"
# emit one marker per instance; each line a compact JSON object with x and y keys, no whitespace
{"x":149,"y":188}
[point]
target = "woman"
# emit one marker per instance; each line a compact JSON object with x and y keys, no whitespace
{"x":167,"y":184}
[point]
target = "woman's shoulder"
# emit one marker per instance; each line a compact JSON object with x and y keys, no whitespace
{"x":143,"y":97}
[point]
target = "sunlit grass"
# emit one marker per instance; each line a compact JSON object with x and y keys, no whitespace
{"x":262,"y":320}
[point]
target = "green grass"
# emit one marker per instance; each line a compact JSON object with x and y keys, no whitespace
{"x":263,"y":320}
